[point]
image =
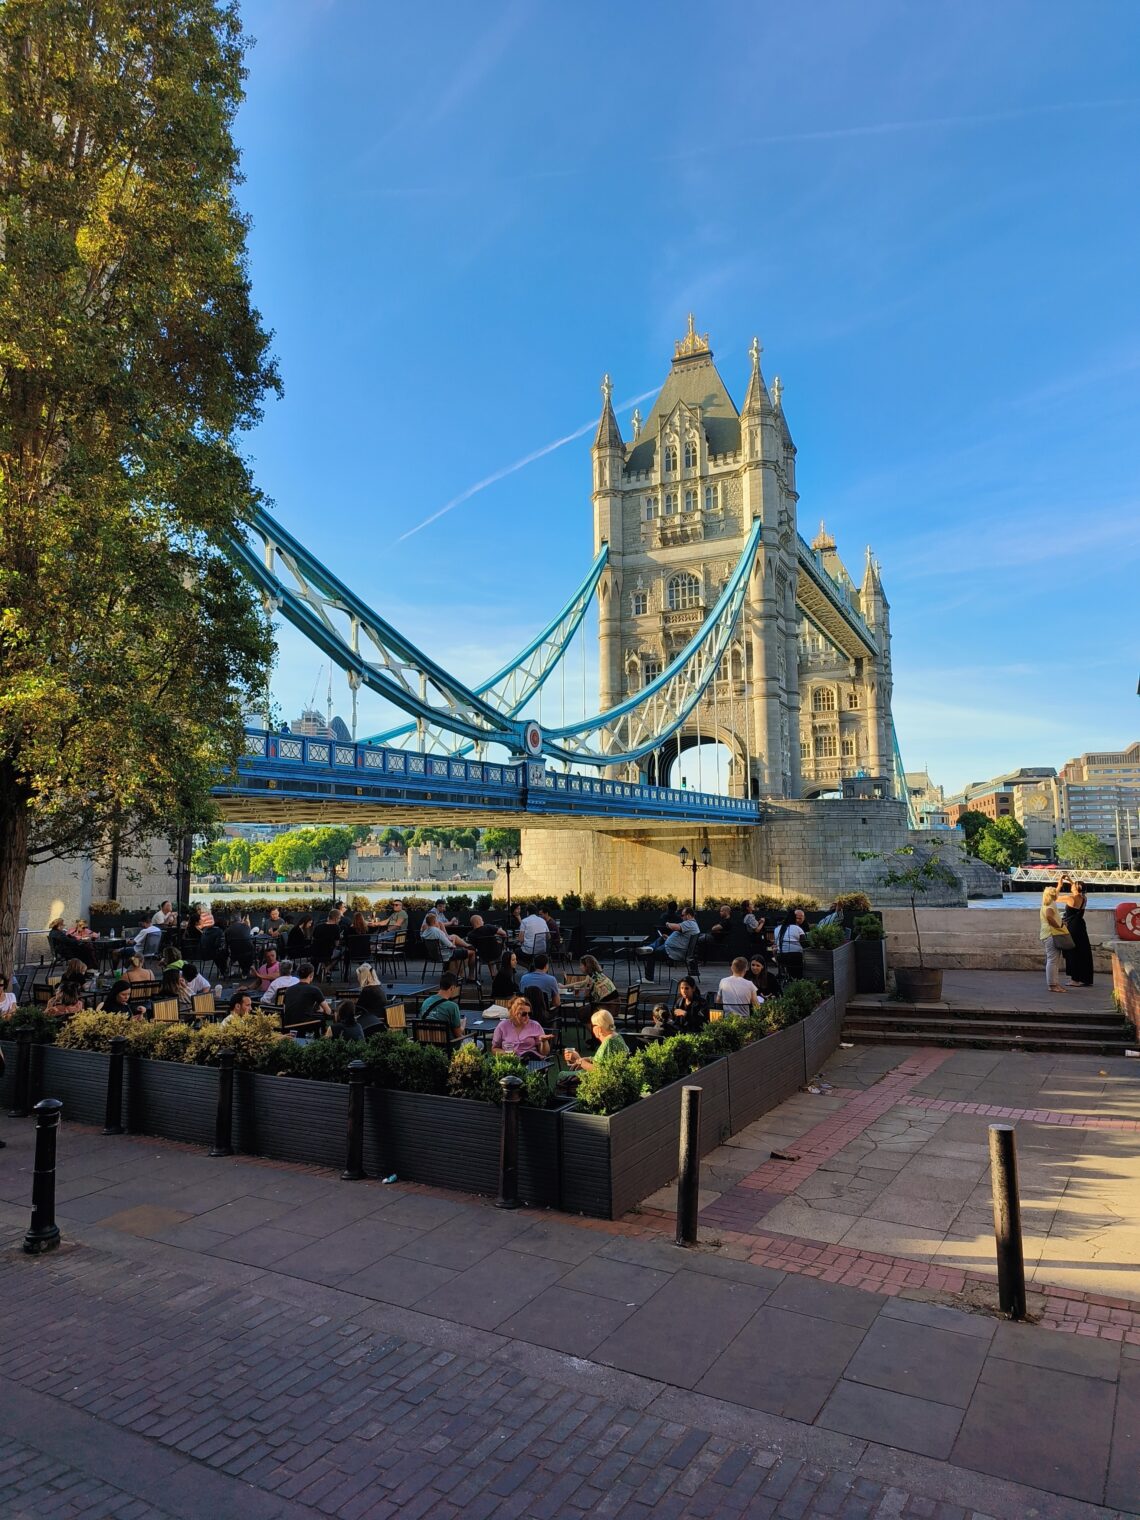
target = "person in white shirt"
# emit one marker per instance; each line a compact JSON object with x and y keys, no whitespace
{"x":195,"y":981}
{"x":164,"y":917}
{"x":532,"y":925}
{"x":278,"y":984}
{"x":789,"y":944}
{"x":7,"y":999}
{"x":736,"y":994}
{"x":451,"y":947}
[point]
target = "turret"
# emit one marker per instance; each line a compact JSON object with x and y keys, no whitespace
{"x":609,"y":462}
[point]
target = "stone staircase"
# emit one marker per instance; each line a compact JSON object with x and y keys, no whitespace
{"x":1076,"y":1031}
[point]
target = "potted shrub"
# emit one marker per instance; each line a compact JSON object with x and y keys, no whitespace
{"x":820,"y":945}
{"x":921,"y":868}
{"x":870,"y":954}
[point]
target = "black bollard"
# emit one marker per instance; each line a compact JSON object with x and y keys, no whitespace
{"x":689,"y":1166}
{"x":354,"y":1162}
{"x":22,"y":1089}
{"x":509,"y":1144}
{"x":43,"y":1235}
{"x":224,"y":1123}
{"x":1007,"y":1221}
{"x":113,"y":1118}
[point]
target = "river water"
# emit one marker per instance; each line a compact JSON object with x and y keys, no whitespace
{"x":1108,"y":900}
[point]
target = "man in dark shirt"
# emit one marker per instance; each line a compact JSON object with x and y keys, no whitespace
{"x":239,"y":943}
{"x":305,"y":1003}
{"x":326,"y":937}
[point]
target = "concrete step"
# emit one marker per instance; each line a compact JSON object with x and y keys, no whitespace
{"x":1046,"y":1044}
{"x":1013,"y":1028}
{"x":863,"y":1007}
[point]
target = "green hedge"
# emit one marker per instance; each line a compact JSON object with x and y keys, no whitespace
{"x":615,"y":1085}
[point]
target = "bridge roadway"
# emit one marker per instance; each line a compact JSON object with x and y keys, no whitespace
{"x":287,"y":778}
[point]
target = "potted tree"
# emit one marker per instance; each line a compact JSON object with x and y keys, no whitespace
{"x":870,"y":953}
{"x":820,"y":945}
{"x":922,"y":868}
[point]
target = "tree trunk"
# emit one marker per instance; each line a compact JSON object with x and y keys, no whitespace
{"x":13,"y":867}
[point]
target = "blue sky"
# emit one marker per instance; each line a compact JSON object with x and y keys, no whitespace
{"x":463,"y":215}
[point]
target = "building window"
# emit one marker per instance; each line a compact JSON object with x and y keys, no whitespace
{"x":853,"y":699}
{"x":805,"y":750}
{"x":650,"y":670}
{"x":650,"y":508}
{"x":670,"y":459}
{"x":670,"y":503}
{"x":823,"y":699}
{"x":640,"y":603}
{"x":712,"y":498}
{"x":825,"y":747}
{"x":849,"y":749}
{"x":683,"y":591}
{"x":690,"y":501}
{"x":690,"y":455}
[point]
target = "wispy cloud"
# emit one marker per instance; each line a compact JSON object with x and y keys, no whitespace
{"x":848,"y":133}
{"x":519,"y":464}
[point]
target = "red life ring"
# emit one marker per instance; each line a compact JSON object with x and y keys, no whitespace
{"x":1128,"y":920}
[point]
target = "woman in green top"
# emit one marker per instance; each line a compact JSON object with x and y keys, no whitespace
{"x":610,"y":1044}
{"x":595,"y":981}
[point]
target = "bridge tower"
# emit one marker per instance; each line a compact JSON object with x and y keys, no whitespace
{"x":675,"y":504}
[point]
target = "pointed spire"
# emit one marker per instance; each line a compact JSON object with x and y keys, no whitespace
{"x":693,"y":343}
{"x":777,"y":393}
{"x":756,"y":399}
{"x":608,"y":435}
{"x":823,"y":539}
{"x":636,"y":423}
{"x":871,"y":583}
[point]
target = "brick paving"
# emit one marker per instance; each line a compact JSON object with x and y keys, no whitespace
{"x":1030,"y":1115}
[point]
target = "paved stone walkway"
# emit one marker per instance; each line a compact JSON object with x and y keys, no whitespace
{"x":232,"y":1337}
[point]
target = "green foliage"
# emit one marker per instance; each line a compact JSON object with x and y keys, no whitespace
{"x":159,"y":1042}
{"x":131,"y":362}
{"x":825,"y":937}
{"x":394,"y":839}
{"x":398,"y":1062}
{"x":1002,"y":844}
{"x":869,"y":926}
{"x":797,"y":1000}
{"x":250,"y":1038}
{"x":612,"y":903}
{"x":571,"y":902}
{"x":647,"y":903}
{"x":92,"y":1031}
{"x":853,"y":902}
{"x":43,"y":1025}
{"x":500,"y":840}
{"x":973,"y":824}
{"x":609,"y":1088}
{"x":477,"y":1076}
{"x":1075,"y":848}
{"x":104,"y":905}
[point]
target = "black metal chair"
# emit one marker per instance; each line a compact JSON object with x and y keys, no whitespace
{"x":357,"y":950}
{"x":393,"y":954}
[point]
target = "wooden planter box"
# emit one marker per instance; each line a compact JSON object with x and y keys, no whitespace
{"x":870,"y":965}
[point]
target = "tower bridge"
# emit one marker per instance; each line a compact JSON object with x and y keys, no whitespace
{"x":717,"y":623}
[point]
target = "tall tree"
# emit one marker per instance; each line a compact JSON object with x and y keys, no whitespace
{"x":131,"y":360}
{"x":1075,"y":848}
{"x":973,"y":824}
{"x":1002,"y":844}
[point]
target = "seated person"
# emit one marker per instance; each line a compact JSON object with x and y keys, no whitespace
{"x":326,"y":939}
{"x":136,"y":971}
{"x":395,"y":923}
{"x":485,"y":940}
{"x":67,"y":999}
{"x":539,"y":976}
{"x":736,"y":994}
{"x":345,"y":1026}
{"x":299,"y":940}
{"x":689,"y":1011}
{"x":610,"y":1043}
{"x":678,"y":944}
{"x":267,"y":972}
{"x":371,"y":999}
{"x":594,"y":980}
{"x":213,"y":947}
{"x":443,"y":1006}
{"x":7,"y":998}
{"x":280,"y":983}
{"x":533,"y":929}
{"x":240,"y":1007}
{"x":758,"y":974}
{"x":304,"y":1001}
{"x":194,"y":979}
{"x":239,"y":943}
{"x":834,"y":915}
{"x":722,"y":927}
{"x":173,"y":986}
{"x":118,"y":1000}
{"x":65,"y":946}
{"x":519,"y":1034}
{"x":658,"y":1025}
{"x":451,"y":947}
{"x":505,"y":983}
{"x":275,"y":924}
{"x":165,"y":918}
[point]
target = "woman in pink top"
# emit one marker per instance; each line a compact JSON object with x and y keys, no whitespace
{"x":519,"y":1034}
{"x":270,"y":971}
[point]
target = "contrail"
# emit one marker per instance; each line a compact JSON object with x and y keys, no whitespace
{"x":519,"y":464}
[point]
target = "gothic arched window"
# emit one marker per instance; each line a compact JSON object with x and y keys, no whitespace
{"x":650,"y":508}
{"x":825,"y":747}
{"x":682,"y":591}
{"x":849,"y":749}
{"x":690,"y":455}
{"x":823,"y":699}
{"x":640,"y":603}
{"x":670,"y":503}
{"x":853,"y":699}
{"x":712,"y":498}
{"x":690,"y":501}
{"x":670,"y":459}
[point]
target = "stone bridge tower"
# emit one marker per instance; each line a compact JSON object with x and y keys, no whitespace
{"x":676,"y":504}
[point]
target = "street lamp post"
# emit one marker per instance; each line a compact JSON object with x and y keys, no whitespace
{"x":504,"y":863}
{"x":695,"y":864}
